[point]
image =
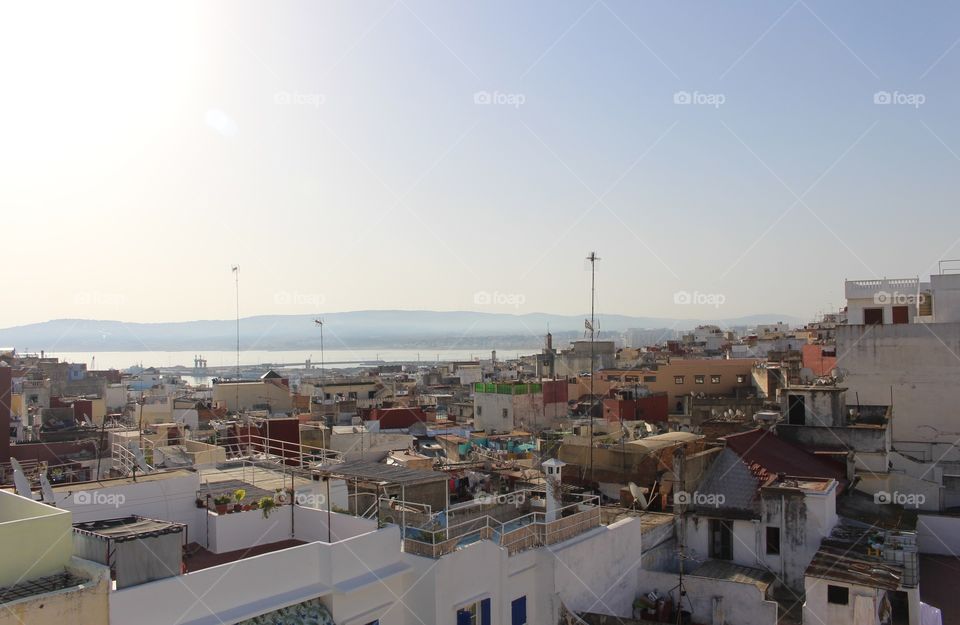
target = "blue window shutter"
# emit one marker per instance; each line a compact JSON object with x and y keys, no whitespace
{"x":463,"y":617}
{"x":518,"y":611}
{"x":485,"y":612}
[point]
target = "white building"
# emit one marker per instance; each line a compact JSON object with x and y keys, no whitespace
{"x":516,"y":559}
{"x":900,"y":349}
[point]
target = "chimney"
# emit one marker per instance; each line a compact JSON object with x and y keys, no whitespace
{"x":552,"y":470}
{"x":6,"y":390}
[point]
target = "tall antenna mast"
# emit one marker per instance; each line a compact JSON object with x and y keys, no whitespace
{"x":236,"y":282}
{"x":593,"y":258}
{"x":323,"y":397}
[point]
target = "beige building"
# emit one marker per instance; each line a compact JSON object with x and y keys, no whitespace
{"x":271,"y":392}
{"x":679,"y":378}
{"x":43,"y":583}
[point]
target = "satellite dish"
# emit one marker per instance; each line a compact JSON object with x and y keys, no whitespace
{"x":20,"y":481}
{"x":46,"y":490}
{"x":138,"y":456}
{"x":639,"y":495}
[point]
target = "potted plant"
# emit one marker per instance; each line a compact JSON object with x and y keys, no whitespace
{"x":221,"y":502}
{"x":267,"y":504}
{"x":238,"y":496}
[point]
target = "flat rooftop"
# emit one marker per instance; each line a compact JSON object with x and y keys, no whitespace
{"x":370,"y":471}
{"x":196,"y":558}
{"x":121,"y":481}
{"x":845,"y":556}
{"x":248,"y":477}
{"x":723,"y":569}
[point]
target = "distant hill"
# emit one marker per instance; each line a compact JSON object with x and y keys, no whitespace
{"x":357,"y":329}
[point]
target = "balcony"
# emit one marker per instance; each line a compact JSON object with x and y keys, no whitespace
{"x":860,"y":289}
{"x":514,"y":525}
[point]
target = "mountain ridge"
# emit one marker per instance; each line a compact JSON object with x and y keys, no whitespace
{"x":363,"y":328}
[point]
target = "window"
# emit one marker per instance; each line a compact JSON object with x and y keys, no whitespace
{"x":479,"y":411}
{"x":698,"y":379}
{"x":518,"y":611}
{"x":678,"y":379}
{"x":714,"y":379}
{"x":773,"y":540}
{"x":477,"y":613}
{"x":872,"y":316}
{"x":741,"y":379}
{"x":901,"y":314}
{"x":721,"y":539}
{"x":839,"y":595}
{"x":649,"y":378}
{"x":504,"y":413}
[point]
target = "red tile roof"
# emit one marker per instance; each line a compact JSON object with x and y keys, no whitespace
{"x":768,"y":455}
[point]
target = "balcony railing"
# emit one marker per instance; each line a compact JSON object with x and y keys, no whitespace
{"x":866,"y":288}
{"x":528,"y":531}
{"x":252,"y":446}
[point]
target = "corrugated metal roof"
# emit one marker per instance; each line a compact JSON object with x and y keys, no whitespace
{"x":129,"y":528}
{"x":726,"y":570}
{"x":771,"y":455}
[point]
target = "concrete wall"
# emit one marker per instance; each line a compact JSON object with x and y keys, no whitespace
{"x":938,"y":534}
{"x":593,"y":571}
{"x":37,"y":539}
{"x":816,"y":609}
{"x":918,"y":361}
{"x":802,"y":527}
{"x":253,"y":586}
{"x":171,"y":499}
{"x":521,"y":411}
{"x":240,"y":530}
{"x":742,"y":604}
{"x":89,"y":604}
{"x":253,"y":394}
{"x":311,"y":525}
{"x":823,"y":406}
{"x":859,"y":438}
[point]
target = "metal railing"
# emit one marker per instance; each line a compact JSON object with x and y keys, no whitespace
{"x":124,"y":461}
{"x":527,"y":531}
{"x":254,"y":446}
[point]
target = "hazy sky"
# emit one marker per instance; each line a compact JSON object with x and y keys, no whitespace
{"x":412,"y":154}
